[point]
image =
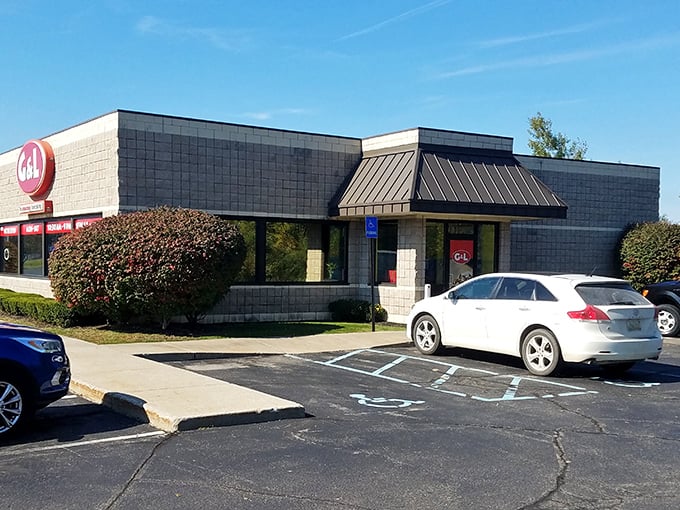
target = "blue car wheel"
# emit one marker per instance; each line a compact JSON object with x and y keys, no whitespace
{"x":14,"y":406}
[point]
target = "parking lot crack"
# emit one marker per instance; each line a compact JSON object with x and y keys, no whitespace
{"x":598,"y":426}
{"x":562,"y":465}
{"x":110,"y":504}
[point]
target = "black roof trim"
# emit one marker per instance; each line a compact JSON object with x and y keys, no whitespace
{"x":527,"y":211}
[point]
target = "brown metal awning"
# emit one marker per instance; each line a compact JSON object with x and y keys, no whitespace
{"x":444,"y":181}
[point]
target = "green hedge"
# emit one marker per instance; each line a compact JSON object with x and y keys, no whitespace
{"x":355,"y":310}
{"x":38,"y":308}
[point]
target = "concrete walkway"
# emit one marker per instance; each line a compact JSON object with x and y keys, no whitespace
{"x":126,"y":378}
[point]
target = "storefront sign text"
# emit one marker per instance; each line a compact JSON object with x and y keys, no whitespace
{"x":31,"y":229}
{"x":84,"y":222}
{"x":42,"y":206}
{"x":9,"y":231}
{"x":58,"y":227}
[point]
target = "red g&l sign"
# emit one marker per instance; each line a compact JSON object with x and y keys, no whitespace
{"x":35,"y":168}
{"x":461,"y":250}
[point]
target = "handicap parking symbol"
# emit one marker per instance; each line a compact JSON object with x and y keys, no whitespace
{"x":389,"y":403}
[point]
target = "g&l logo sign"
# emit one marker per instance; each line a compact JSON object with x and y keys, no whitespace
{"x":461,"y":257}
{"x":35,"y":168}
{"x":461,"y":250}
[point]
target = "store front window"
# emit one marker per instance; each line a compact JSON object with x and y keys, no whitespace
{"x":31,"y":245}
{"x":293,"y":252}
{"x":457,"y":251}
{"x":435,"y":261}
{"x":386,"y":263}
{"x":248,"y":231}
{"x":304,"y":252}
{"x":25,"y":247}
{"x":53,"y":231}
{"x":9,"y":247}
{"x":286,"y":251}
{"x":335,"y":250}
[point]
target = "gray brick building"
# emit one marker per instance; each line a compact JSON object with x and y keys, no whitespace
{"x":449,"y":204}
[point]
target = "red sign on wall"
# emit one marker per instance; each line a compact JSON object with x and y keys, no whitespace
{"x":9,"y":231}
{"x":461,"y":251}
{"x":35,"y":168}
{"x":84,"y":222}
{"x":58,"y":227}
{"x":31,"y":229}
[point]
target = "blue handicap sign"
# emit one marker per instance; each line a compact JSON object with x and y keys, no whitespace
{"x":371,"y":227}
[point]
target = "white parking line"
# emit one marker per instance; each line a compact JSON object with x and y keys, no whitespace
{"x":331,"y":363}
{"x":512,"y":389}
{"x":389,"y":365}
{"x":344,"y":356}
{"x":442,"y":390}
{"x":85,"y":443}
{"x":509,"y":394}
{"x":445,"y":377}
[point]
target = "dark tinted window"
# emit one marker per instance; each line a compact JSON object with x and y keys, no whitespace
{"x":516,"y":288}
{"x":477,"y":289}
{"x":523,"y":289}
{"x":607,"y":294}
{"x":543,"y":294}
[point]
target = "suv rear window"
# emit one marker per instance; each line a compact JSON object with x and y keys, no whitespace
{"x":607,"y":294}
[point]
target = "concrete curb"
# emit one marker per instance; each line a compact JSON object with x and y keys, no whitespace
{"x":145,"y":412}
{"x":168,"y":398}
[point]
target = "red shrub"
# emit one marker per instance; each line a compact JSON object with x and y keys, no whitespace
{"x":650,"y":253}
{"x":160,"y":263}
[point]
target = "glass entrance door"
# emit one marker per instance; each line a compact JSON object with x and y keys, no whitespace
{"x":460,"y":252}
{"x":456,"y":251}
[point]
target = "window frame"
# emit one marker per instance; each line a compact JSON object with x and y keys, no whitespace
{"x":390,"y":272}
{"x":260,"y":277}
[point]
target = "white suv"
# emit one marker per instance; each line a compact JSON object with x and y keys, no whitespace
{"x":545,"y":320}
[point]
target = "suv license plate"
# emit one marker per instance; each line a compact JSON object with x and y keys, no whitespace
{"x":633,"y":324}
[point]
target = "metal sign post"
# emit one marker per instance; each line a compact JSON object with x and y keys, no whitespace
{"x":372,"y":235}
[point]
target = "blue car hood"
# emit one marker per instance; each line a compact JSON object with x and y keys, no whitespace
{"x":8,"y":330}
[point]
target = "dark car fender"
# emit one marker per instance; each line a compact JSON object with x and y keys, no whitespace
{"x":665,"y":297}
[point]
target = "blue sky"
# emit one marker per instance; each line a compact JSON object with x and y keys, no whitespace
{"x":606,"y":72}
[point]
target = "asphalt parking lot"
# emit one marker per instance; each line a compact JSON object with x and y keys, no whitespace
{"x":387,"y":428}
{"x":471,"y":427}
{"x":74,"y":454}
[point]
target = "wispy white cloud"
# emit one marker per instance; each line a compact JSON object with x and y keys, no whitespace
{"x":230,"y":40}
{"x":400,"y":17}
{"x":563,"y":58}
{"x":517,"y":39}
{"x":266,"y":115}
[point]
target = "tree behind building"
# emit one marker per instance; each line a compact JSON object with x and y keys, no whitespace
{"x":547,"y":144}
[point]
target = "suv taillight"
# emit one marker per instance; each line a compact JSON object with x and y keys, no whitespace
{"x":645,"y":292}
{"x":589,"y":313}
